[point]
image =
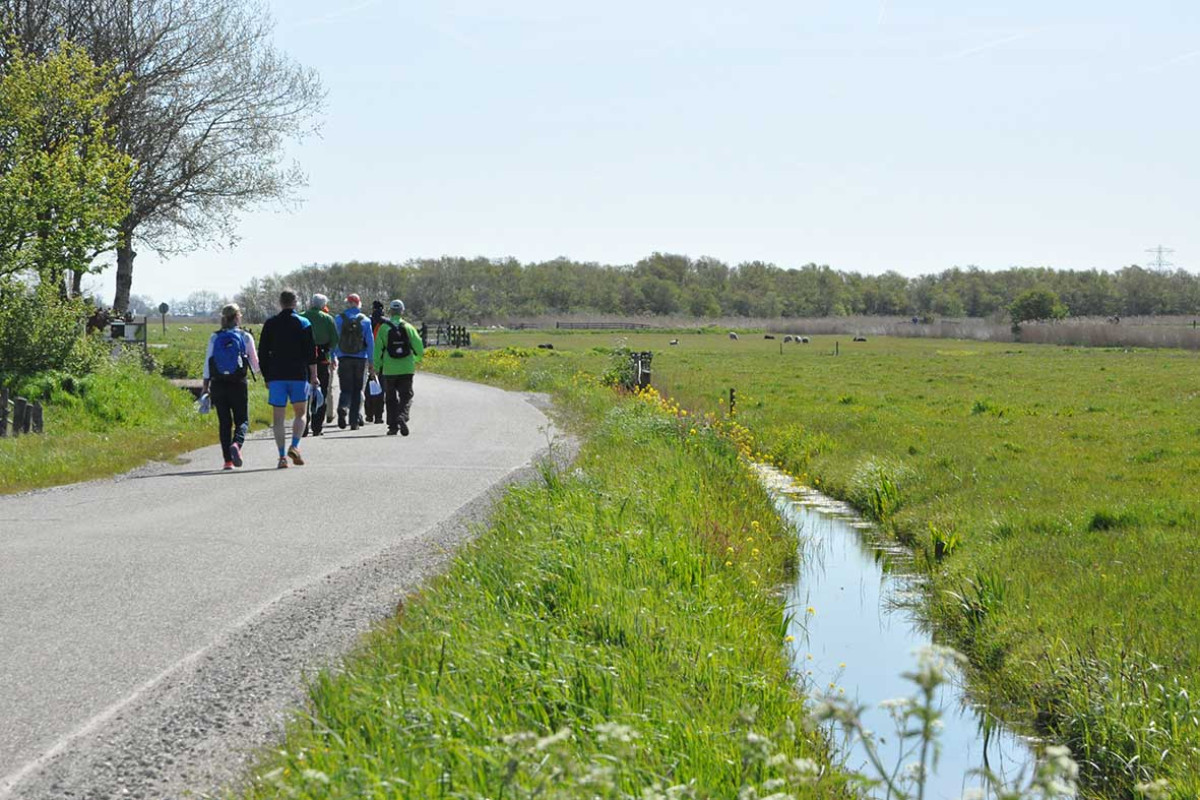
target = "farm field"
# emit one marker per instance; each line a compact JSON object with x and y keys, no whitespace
{"x":1046,"y":490}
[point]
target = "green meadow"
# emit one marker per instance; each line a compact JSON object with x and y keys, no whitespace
{"x":1047,"y":492}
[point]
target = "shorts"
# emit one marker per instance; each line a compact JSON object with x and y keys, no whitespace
{"x":280,"y":393}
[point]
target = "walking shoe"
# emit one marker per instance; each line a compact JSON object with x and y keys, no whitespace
{"x":403,"y":428}
{"x":391,"y":432}
{"x":342,"y":418}
{"x":228,"y":465}
{"x":283,"y":464}
{"x":294,"y":454}
{"x":354,"y":427}
{"x":235,"y":454}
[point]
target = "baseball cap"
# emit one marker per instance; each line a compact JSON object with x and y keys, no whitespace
{"x":353,"y":298}
{"x":397,"y":305}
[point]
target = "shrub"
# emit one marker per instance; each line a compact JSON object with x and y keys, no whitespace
{"x":41,"y":332}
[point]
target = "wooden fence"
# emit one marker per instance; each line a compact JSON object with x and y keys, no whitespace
{"x":446,"y":334}
{"x":19,"y":416}
{"x":601,"y":326}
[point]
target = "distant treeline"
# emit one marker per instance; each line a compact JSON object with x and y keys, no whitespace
{"x":472,"y":289}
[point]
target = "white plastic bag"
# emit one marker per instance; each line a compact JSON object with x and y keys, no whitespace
{"x":374,"y":388}
{"x":205,"y":404}
{"x":318,"y":397}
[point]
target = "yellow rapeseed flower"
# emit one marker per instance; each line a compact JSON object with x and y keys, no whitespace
{"x":729,"y":563}
{"x":789,"y":638}
{"x":811,"y":610}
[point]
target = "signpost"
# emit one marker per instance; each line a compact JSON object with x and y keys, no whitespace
{"x":163,"y":308}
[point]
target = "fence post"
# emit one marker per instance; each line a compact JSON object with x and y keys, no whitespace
{"x":18,"y":423}
{"x":3,"y":413}
{"x":37,"y":418}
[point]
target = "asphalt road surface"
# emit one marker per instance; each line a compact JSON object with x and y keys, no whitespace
{"x":155,"y":628}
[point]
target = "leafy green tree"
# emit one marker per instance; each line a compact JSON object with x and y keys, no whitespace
{"x":64,"y":187}
{"x":1036,"y":304}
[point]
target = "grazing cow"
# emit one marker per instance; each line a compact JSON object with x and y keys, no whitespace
{"x":545,"y":347}
{"x":673,"y":342}
{"x":768,"y":336}
{"x":733,"y":336}
{"x":860,"y":338}
{"x":787,"y":339}
{"x":803,"y":340}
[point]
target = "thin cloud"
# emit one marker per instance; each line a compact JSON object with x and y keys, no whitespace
{"x":1183,"y":58}
{"x":883,"y":8}
{"x":1016,"y":37}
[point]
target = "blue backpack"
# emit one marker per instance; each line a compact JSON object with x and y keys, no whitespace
{"x":228,"y":362}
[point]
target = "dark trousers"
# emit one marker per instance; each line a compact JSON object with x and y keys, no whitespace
{"x":351,"y":372}
{"x":231,"y":400}
{"x":398,"y":395}
{"x":316,"y":416}
{"x":374,"y":410}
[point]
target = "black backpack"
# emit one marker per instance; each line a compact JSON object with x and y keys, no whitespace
{"x":398,"y":343}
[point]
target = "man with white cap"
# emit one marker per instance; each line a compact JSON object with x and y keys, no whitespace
{"x":355,"y":345}
{"x":398,"y":348}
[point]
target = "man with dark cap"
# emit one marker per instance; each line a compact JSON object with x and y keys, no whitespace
{"x":374,"y":402}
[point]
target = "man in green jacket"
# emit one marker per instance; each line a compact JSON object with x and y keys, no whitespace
{"x":398,"y":348}
{"x":325,"y":336}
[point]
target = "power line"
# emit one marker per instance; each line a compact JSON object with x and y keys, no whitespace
{"x":1160,"y":262}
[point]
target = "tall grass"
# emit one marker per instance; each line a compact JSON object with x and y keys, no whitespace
{"x":614,"y":633}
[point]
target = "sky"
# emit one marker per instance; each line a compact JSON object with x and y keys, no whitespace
{"x":869,"y":135}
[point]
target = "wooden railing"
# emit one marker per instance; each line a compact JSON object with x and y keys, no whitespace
{"x":24,"y":417}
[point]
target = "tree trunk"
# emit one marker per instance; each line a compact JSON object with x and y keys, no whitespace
{"x":76,"y":281}
{"x":125,"y":256}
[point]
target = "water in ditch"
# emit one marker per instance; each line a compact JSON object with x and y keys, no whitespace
{"x":856,"y":627}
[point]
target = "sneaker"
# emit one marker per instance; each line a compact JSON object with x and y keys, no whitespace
{"x":342,"y":418}
{"x":294,"y":455}
{"x":235,"y":454}
{"x":391,"y":432}
{"x":283,"y":463}
{"x":228,"y":466}
{"x":403,"y":428}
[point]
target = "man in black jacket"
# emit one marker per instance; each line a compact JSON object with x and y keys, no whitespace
{"x":288,"y":357}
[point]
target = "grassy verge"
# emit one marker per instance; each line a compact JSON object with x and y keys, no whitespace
{"x":100,"y":425}
{"x":1047,"y":490}
{"x":117,"y":418}
{"x":613,"y":634}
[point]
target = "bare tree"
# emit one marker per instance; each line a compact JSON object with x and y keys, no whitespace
{"x":211,"y":104}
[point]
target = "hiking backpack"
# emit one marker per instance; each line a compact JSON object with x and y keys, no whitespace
{"x":398,"y":343}
{"x":351,"y":339}
{"x":228,"y":362}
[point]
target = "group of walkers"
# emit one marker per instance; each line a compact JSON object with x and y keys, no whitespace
{"x":297,"y":355}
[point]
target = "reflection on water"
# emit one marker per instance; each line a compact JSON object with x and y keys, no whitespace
{"x":855,"y":627}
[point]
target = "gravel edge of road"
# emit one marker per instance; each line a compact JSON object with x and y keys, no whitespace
{"x":196,"y":732}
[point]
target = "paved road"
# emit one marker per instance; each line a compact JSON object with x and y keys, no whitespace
{"x":110,"y":590}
